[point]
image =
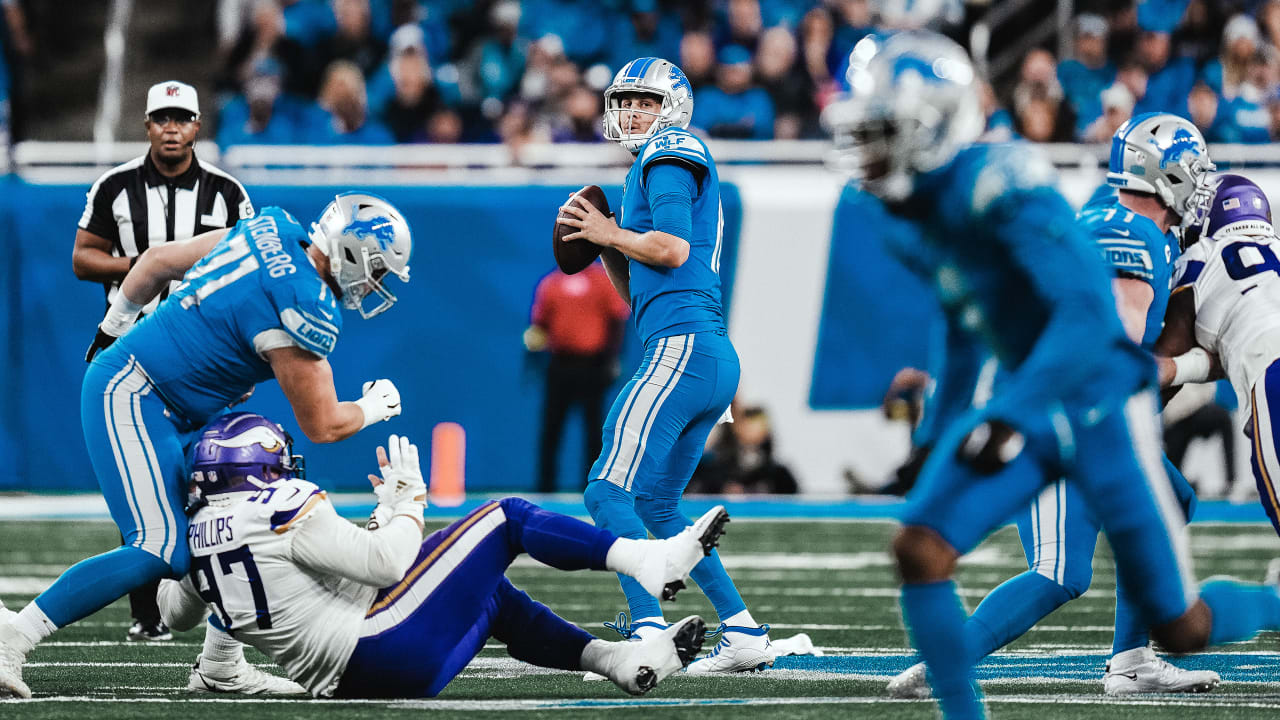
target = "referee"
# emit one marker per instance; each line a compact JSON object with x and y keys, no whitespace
{"x":163,"y":196}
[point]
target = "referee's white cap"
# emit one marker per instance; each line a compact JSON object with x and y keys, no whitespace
{"x":172,"y":94}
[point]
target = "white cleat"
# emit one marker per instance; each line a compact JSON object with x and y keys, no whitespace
{"x":741,"y":649}
{"x":11,"y":659}
{"x":910,"y":684}
{"x":633,"y":632}
{"x":239,"y":677}
{"x":642,"y":665}
{"x":667,"y":566}
{"x":1153,"y":675}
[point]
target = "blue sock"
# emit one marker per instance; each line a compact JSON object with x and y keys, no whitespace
{"x":1131,"y":631}
{"x":560,"y":541}
{"x":613,"y":509}
{"x":535,"y":634}
{"x":1009,"y":611}
{"x":664,"y":520}
{"x":96,"y":582}
{"x":1240,"y":610}
{"x":935,"y":619}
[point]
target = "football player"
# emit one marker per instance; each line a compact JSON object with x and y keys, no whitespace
{"x":381,"y":612}
{"x":258,"y":300}
{"x":663,"y":257}
{"x":1156,"y":180}
{"x":1224,"y":308}
{"x":1076,"y":400}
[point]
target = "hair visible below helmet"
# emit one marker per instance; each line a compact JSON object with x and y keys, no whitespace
{"x":913,"y":104}
{"x":1238,"y":205}
{"x":242,"y":451}
{"x":365,"y":237}
{"x":652,"y":76}
{"x":1162,"y":155}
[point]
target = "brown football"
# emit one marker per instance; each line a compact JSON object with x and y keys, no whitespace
{"x":575,"y":255}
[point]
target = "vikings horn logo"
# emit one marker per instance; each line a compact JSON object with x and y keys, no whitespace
{"x":378,"y":228}
{"x":1183,"y":141}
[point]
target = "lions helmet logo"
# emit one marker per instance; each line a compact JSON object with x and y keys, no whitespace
{"x":378,"y":228}
{"x":1183,"y":141}
{"x":678,"y":80}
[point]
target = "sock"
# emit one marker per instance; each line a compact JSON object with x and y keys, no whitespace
{"x":96,"y":582}
{"x":664,"y":519}
{"x":1131,"y":631}
{"x":626,"y":556}
{"x":220,"y":648}
{"x":1009,"y":611}
{"x":1240,"y":610}
{"x":557,"y":540}
{"x":935,"y":620}
{"x":740,"y":619}
{"x":28,"y":628}
{"x":613,"y":509}
{"x":535,"y":634}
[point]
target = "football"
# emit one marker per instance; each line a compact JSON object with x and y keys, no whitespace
{"x":575,"y":255}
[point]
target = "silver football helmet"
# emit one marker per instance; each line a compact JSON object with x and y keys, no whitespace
{"x":1166,"y":156}
{"x":653,"y":76}
{"x":365,"y":237}
{"x":913,"y":104}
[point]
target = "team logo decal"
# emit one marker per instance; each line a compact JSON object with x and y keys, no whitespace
{"x":379,"y":229}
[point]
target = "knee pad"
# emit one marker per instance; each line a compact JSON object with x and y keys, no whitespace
{"x":602,"y":493}
{"x":656,"y":512}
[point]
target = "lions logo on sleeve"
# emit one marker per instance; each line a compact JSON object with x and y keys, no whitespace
{"x":309,"y":314}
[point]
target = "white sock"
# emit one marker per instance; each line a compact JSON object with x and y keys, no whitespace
{"x":1129,"y":658}
{"x":740,"y":619}
{"x":220,"y":648}
{"x":599,"y":656}
{"x":626,"y":556}
{"x":27,"y":628}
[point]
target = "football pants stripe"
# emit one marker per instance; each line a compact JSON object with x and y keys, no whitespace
{"x":1264,"y":460}
{"x":685,"y":353}
{"x":141,"y":476}
{"x":627,"y":406}
{"x":154,"y":471}
{"x":1048,"y":532}
{"x":113,"y":438}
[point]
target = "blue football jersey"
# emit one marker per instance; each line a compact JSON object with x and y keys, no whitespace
{"x":686,"y":299}
{"x":1133,"y":247}
{"x":255,"y":291}
{"x":1015,"y":269}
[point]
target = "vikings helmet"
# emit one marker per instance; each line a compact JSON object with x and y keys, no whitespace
{"x":912,"y":106}
{"x":1238,"y":205}
{"x":242,"y":451}
{"x":652,"y":76}
{"x":365,"y":237}
{"x":1162,"y":155}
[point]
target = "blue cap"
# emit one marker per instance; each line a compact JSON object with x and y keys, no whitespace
{"x":734,"y":55}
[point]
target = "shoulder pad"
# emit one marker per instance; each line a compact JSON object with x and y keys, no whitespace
{"x":675,"y":143}
{"x":291,"y":501}
{"x":1005,"y":170}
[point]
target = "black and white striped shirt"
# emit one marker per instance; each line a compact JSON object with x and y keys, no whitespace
{"x":135,"y":207}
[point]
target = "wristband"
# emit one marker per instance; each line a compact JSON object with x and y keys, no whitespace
{"x":1191,"y":367}
{"x":120,"y":316}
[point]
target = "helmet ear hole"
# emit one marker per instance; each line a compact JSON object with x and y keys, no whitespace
{"x":351,"y":258}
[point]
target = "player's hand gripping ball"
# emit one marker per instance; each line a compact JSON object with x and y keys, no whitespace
{"x":576,"y":254}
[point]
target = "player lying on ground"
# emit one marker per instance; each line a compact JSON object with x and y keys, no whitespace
{"x":381,"y":612}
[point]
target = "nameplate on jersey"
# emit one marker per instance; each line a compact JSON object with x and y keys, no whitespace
{"x":678,"y":144}
{"x":1128,"y":259}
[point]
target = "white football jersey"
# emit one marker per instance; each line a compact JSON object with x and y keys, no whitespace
{"x":1236,"y":283}
{"x":244,"y":566}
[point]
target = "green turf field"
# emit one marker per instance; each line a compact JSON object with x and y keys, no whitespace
{"x":831,"y":580}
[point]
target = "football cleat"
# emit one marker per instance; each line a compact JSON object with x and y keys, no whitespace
{"x":238,"y":677}
{"x":910,"y":684}
{"x":741,"y":649}
{"x":633,"y":631}
{"x":1152,"y":674}
{"x":640,"y":666}
{"x":148,"y":632}
{"x":667,"y":566}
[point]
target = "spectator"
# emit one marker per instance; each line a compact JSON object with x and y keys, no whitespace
{"x":1084,"y":77}
{"x":739,"y":459}
{"x":698,"y":59}
{"x":517,"y":128}
{"x":741,"y":25}
{"x":584,"y":24}
{"x":444,"y":127}
{"x":1200,"y":33}
{"x":266,"y":37}
{"x":581,"y":118}
{"x":1161,"y":16}
{"x":353,"y":38}
{"x":414,"y":97}
{"x":498,"y":62}
{"x":647,"y":34}
{"x":1169,"y":80}
{"x":1245,"y":117}
{"x":1040,"y":113}
{"x":342,"y":97}
{"x":1134,"y":77}
{"x":1117,"y":107}
{"x":999,"y":126}
{"x":1269,"y":19}
{"x":788,"y":85}
{"x":735,"y":108}
{"x":1202,"y":108}
{"x":852,"y":22}
{"x":263,"y":115}
{"x":1226,"y":73}
{"x":579,"y":320}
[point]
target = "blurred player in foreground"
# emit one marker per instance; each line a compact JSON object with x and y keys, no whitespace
{"x":261,"y":302}
{"x":1226,"y":307}
{"x":665,"y":261}
{"x":381,"y":612}
{"x":1018,"y":277}
{"x":1156,"y":180}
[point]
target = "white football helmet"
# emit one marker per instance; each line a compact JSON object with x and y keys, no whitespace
{"x":365,"y":237}
{"x":913,"y":104}
{"x":653,"y":76}
{"x":1166,"y":156}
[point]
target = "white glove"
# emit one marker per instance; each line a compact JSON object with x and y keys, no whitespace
{"x":381,"y":401}
{"x":402,"y":491}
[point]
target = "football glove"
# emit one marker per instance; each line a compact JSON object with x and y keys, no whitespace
{"x":403,"y":491}
{"x":381,"y":401}
{"x":101,"y":342}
